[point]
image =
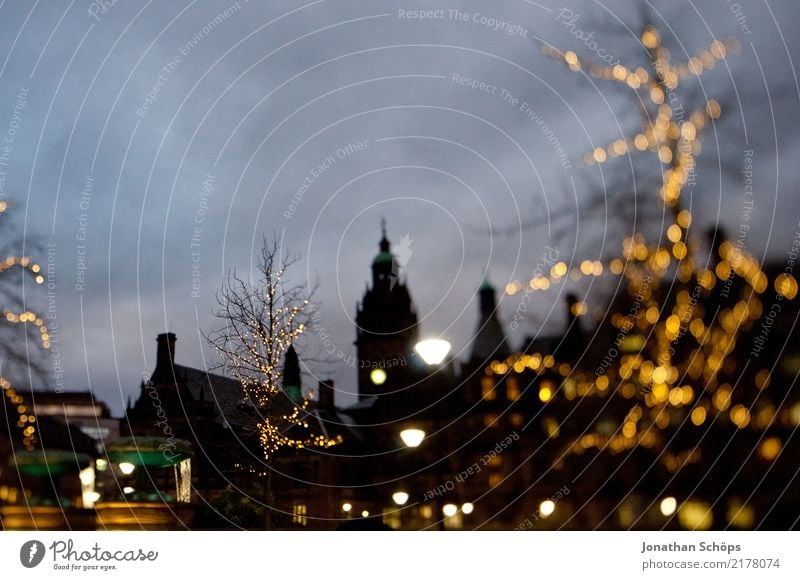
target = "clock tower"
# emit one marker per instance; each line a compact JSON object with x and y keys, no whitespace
{"x":386,"y":325}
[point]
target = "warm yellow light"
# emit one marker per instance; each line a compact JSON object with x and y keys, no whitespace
{"x":560,"y":269}
{"x":432,"y":350}
{"x":545,"y":394}
{"x":450,"y":509}
{"x":668,"y":506}
{"x":467,"y":508}
{"x":378,"y":376}
{"x":412,"y":437}
{"x":400,"y":497}
{"x":740,"y":416}
{"x":346,"y":507}
{"x":365,"y":514}
{"x":126,"y":468}
{"x":786,"y":286}
{"x":546,"y":508}
{"x":695,"y":515}
{"x":650,"y":37}
{"x":599,"y":154}
{"x":713,"y":109}
{"x":770,"y":448}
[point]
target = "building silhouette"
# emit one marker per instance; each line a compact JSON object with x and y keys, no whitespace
{"x":386,"y":327}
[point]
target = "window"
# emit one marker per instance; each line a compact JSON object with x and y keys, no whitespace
{"x":299,"y":512}
{"x":487,"y":386}
{"x":512,"y":388}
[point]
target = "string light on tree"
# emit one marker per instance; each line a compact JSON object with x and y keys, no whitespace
{"x":263,"y":318}
{"x":677,"y":321}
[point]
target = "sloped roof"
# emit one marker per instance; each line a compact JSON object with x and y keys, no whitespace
{"x":225,"y":394}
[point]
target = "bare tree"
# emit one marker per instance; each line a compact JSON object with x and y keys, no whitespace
{"x":18,"y":361}
{"x":263,"y":317}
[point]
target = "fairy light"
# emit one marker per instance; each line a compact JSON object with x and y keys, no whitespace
{"x":655,"y":369}
{"x":261,"y":339}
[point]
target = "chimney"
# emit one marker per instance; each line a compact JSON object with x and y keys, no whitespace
{"x":165,"y":357}
{"x":325,"y":395}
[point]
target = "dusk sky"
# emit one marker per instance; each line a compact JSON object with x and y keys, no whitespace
{"x":153,"y":144}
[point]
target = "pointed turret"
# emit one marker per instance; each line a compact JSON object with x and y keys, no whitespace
{"x":291,"y":383}
{"x":490,"y":341}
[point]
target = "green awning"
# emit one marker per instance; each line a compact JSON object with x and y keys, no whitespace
{"x":149,"y":451}
{"x":44,"y":463}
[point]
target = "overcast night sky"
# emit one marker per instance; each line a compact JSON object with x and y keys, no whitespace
{"x":152,"y":142}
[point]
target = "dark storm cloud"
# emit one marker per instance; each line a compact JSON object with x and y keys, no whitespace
{"x":206,"y":119}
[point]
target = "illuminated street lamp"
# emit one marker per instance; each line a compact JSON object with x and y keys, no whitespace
{"x":546,"y":508}
{"x":450,"y":509}
{"x":433,"y":350}
{"x":412,"y":437}
{"x":126,"y":468}
{"x":400,"y":497}
{"x":378,"y":376}
{"x":668,"y":506}
{"x":467,"y":508}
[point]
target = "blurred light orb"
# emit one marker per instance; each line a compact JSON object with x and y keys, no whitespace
{"x":412,"y":437}
{"x":126,"y":468}
{"x":668,"y":506}
{"x":400,"y":497}
{"x":378,"y":376}
{"x":433,"y":350}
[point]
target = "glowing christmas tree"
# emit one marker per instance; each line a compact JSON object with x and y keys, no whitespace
{"x":263,"y":318}
{"x":16,"y":405}
{"x":662,"y":372}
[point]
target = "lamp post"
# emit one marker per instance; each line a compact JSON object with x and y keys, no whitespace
{"x":432,"y":350}
{"x":412,"y":437}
